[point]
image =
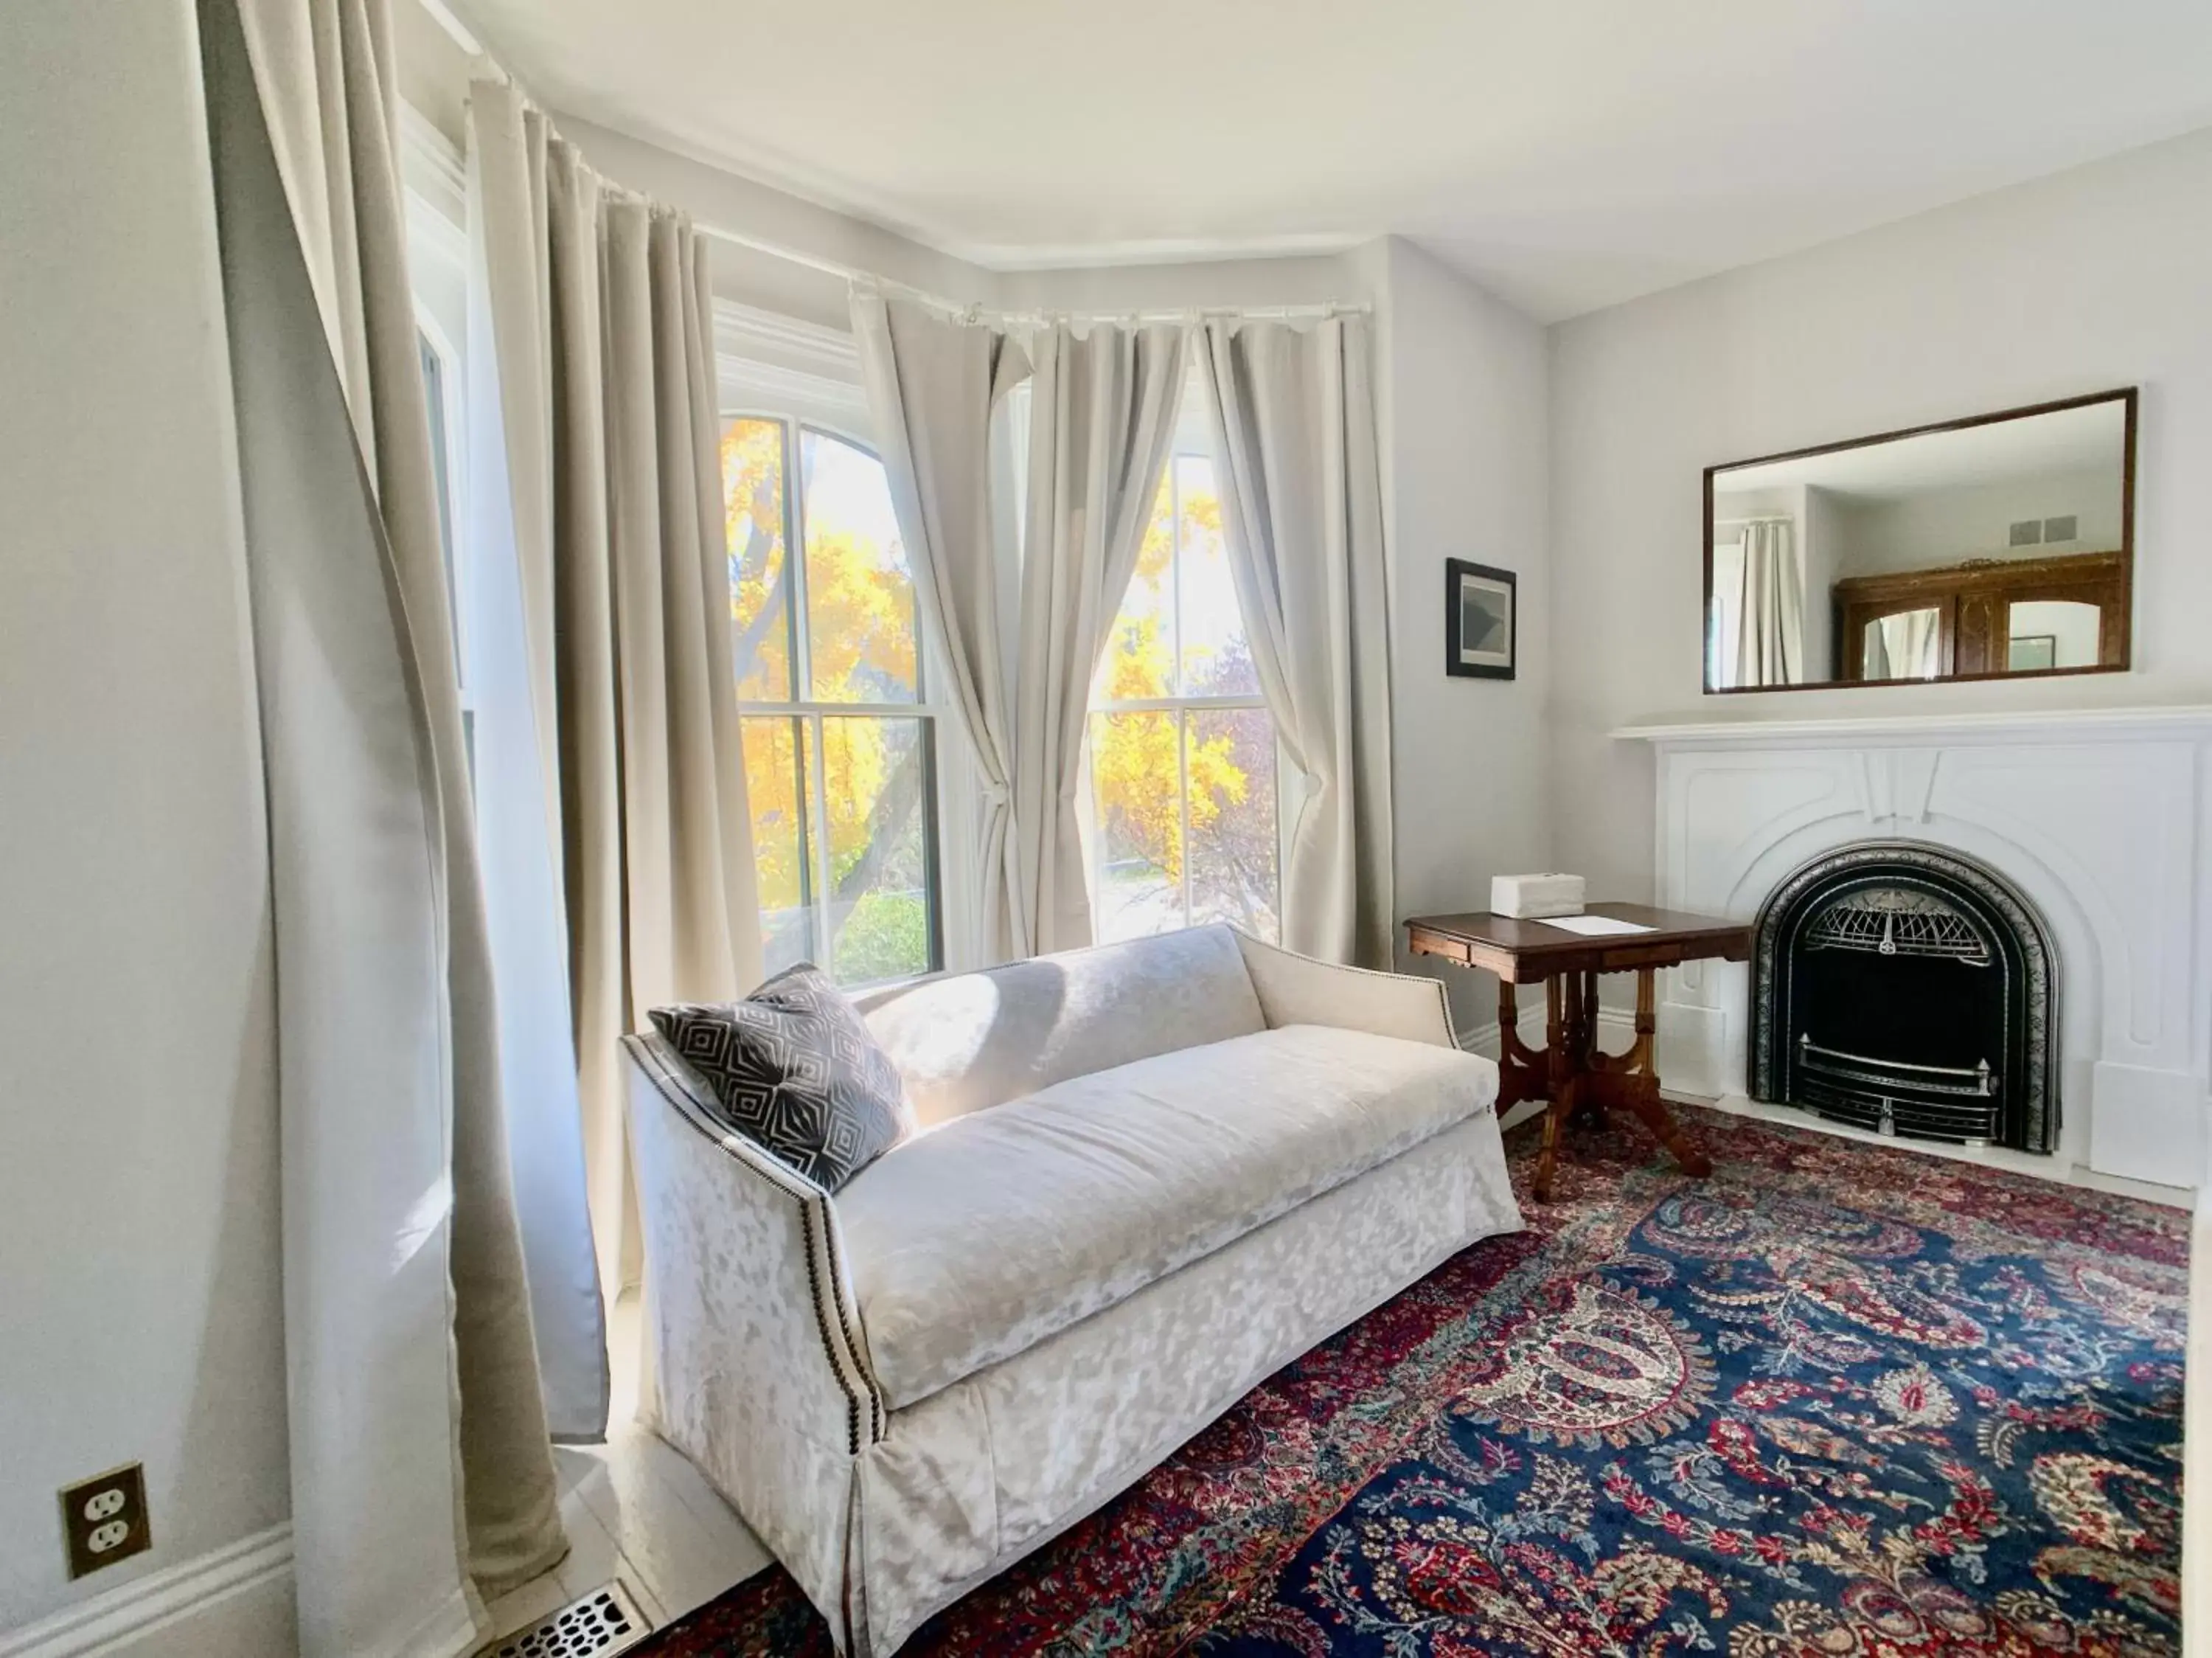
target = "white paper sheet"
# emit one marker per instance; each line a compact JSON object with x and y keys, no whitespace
{"x":1596,"y":926}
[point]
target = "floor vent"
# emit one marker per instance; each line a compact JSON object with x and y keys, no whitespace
{"x":599,"y":1624}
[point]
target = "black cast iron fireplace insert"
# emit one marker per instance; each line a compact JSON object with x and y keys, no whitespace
{"x":1910,"y":990}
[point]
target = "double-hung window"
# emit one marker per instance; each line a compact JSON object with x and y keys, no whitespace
{"x":839,"y":736}
{"x":1184,"y":817}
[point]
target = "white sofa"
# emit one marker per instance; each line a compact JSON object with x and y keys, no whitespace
{"x":1149,"y":1175}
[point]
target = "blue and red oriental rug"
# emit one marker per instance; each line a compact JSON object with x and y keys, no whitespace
{"x":1839,"y":1401}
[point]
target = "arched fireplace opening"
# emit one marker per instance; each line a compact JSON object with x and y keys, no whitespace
{"x":1910,"y":990}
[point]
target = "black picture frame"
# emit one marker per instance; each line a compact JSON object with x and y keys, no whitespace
{"x":1477,"y":662}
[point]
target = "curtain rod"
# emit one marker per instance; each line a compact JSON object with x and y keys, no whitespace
{"x":853,"y":273}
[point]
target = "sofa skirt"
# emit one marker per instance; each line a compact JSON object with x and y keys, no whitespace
{"x":966,"y":1482}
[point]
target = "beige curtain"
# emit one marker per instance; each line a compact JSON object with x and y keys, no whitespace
{"x":1769,"y":609}
{"x":932,"y":382}
{"x":421,"y":1476}
{"x":602,"y":330}
{"x":1301,"y":496}
{"x":1102,"y":419}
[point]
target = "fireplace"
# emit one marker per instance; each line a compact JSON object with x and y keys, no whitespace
{"x":1909,"y":989}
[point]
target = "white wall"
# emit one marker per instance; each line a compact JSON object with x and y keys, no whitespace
{"x":1823,"y":552}
{"x":1946,"y":527}
{"x":138,"y":1224}
{"x":2084,"y":281}
{"x":1462,"y":390}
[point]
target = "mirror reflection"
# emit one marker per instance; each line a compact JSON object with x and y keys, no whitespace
{"x":1998,"y":545}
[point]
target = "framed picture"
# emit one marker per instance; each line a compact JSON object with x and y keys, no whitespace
{"x":1481,"y":614}
{"x":2031,"y":651}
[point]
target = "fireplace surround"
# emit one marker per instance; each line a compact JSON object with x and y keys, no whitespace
{"x":2101,"y":818}
{"x":1904,"y":988}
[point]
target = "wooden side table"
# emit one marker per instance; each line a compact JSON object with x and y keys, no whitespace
{"x":1571,"y":1072}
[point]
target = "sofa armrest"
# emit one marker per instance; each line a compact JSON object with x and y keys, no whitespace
{"x":1298,"y":990}
{"x":755,"y":1337}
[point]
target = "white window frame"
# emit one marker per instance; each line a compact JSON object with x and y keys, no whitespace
{"x":951,"y":877}
{"x":1192,"y":442}
{"x":435,"y":178}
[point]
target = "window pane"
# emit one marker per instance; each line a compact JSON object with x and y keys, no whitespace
{"x":1136,"y":775}
{"x":1231,"y":760}
{"x":760,"y":573}
{"x":882,"y":915}
{"x":1217,"y":657}
{"x":775,"y":790}
{"x":1139,"y":657}
{"x":860,"y":624}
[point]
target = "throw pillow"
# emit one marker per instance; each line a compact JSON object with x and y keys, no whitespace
{"x":797,"y":1073}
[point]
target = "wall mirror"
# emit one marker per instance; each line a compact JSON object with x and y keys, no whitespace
{"x":2002,"y":544}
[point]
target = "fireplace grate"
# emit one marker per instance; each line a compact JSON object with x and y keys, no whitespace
{"x":1893,"y":921}
{"x":1900,"y":1114}
{"x":1910,"y":990}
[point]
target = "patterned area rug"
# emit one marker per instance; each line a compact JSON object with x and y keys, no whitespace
{"x":1836,"y":1400}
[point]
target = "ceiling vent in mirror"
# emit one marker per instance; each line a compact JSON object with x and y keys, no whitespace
{"x":2059,"y":529}
{"x":2028,"y":533}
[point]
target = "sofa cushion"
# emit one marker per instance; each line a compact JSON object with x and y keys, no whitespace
{"x":972,"y":1242}
{"x":969,"y":1040}
{"x":793,"y":1070}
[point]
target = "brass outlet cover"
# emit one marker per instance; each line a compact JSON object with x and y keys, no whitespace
{"x":104,"y":1518}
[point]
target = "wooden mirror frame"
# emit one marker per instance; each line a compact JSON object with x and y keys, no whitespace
{"x":2116,"y":653}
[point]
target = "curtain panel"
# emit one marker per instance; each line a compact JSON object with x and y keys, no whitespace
{"x":421,"y":1476}
{"x":1770,"y":635}
{"x":1299,"y":470}
{"x":932,"y":383}
{"x":601,"y":337}
{"x":1101,"y":420}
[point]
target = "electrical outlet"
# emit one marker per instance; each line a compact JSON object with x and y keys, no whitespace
{"x":104,"y":1518}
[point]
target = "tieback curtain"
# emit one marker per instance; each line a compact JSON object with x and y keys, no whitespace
{"x":1299,"y":470}
{"x":1101,"y":420}
{"x":934,"y":382}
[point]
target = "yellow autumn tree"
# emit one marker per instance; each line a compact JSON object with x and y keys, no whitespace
{"x":861,"y":650}
{"x":1134,"y":767}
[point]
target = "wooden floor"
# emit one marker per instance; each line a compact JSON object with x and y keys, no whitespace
{"x":636,"y":1509}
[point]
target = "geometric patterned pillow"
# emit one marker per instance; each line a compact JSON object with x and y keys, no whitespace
{"x":796,"y":1072}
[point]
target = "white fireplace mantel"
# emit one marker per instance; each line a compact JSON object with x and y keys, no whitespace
{"x":2103,"y":818}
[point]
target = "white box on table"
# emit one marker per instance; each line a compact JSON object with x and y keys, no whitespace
{"x":1533,"y":898}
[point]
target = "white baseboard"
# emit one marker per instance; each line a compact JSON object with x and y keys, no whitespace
{"x":231,"y":1603}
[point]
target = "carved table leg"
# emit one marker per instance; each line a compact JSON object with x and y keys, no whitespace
{"x":1639,"y":1056}
{"x":1641,"y":1095}
{"x":1631,"y":1081}
{"x":1520,"y":1074}
{"x":1562,"y":1091}
{"x":1589,"y":1103}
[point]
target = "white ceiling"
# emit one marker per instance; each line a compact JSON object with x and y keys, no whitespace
{"x":1567,"y":154}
